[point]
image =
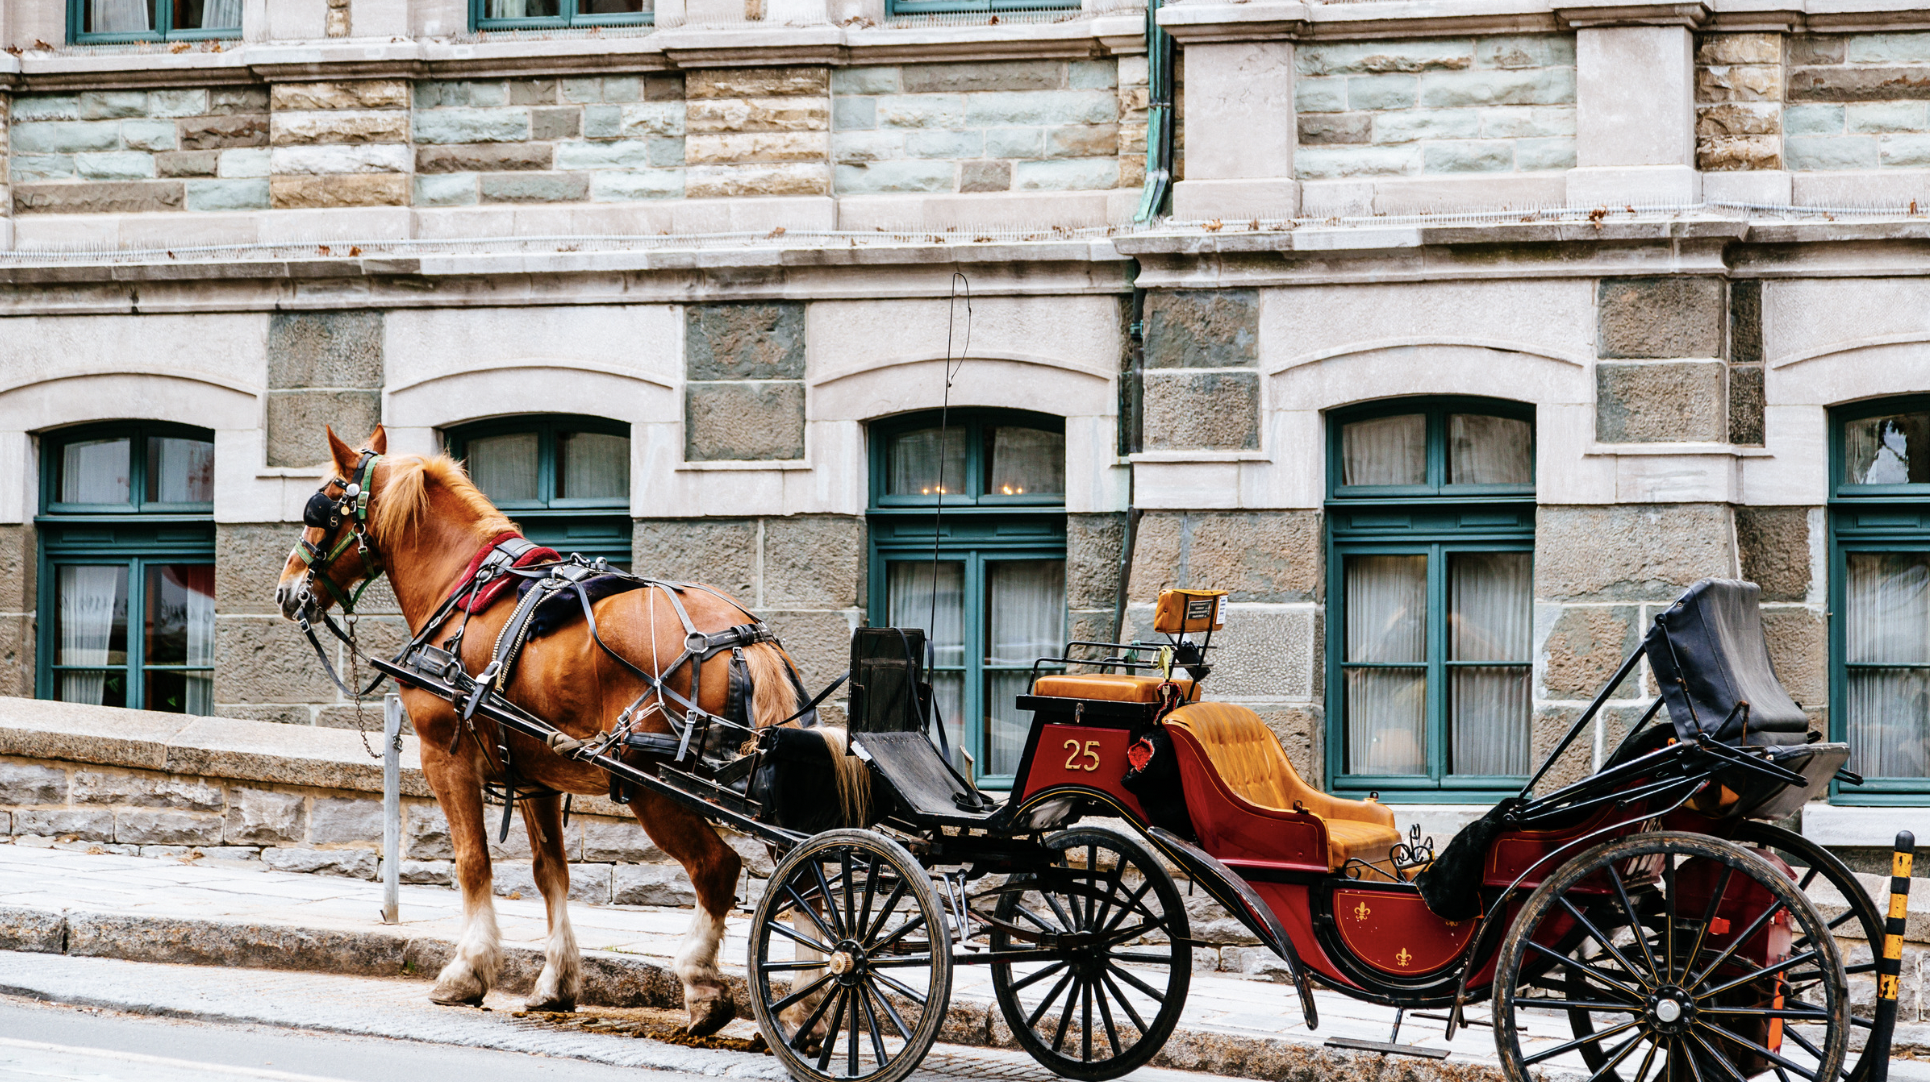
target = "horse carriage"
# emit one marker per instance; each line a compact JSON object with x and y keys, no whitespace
{"x":1652,"y":904}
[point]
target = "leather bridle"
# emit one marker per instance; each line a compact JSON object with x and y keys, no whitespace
{"x":325,"y":510}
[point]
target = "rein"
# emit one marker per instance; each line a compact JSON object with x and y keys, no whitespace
{"x":326,"y":512}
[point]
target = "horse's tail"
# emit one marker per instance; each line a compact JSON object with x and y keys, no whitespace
{"x":777,"y":693}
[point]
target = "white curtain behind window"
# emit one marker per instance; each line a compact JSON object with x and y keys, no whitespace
{"x":908,"y":603}
{"x":914,"y":463}
{"x":1484,"y":450}
{"x":180,"y":471}
{"x":1386,"y":598}
{"x":199,"y":581}
{"x":1887,"y":596}
{"x":504,"y":467}
{"x":593,"y":465}
{"x":1384,"y":451}
{"x":1490,"y":618}
{"x":1027,"y":462}
{"x":88,"y":598}
{"x":120,"y":16}
{"x":94,"y":471}
{"x":1025,"y":617}
{"x":220,"y":15}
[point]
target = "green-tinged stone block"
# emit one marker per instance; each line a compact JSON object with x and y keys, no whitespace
{"x":445,"y":190}
{"x":228,"y":194}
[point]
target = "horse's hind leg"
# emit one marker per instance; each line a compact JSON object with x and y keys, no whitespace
{"x":479,"y":950}
{"x":562,"y":978}
{"x":712,"y":867}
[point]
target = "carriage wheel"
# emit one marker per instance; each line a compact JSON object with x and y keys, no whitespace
{"x":1661,"y":985}
{"x":1112,"y":961}
{"x":850,"y":961}
{"x":1860,"y":918}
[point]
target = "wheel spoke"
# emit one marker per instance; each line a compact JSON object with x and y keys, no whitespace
{"x":1741,"y":938}
{"x":1592,"y":1038}
{"x":830,"y":903}
{"x":1648,"y":1058}
{"x":787,"y":967}
{"x":885,"y":911}
{"x":871,"y":1024}
{"x":891,"y":1012}
{"x":899,"y":987}
{"x":1066,"y":923}
{"x":809,"y":1024}
{"x":1145,"y":959}
{"x":1130,"y":904}
{"x":915,"y":922}
{"x":1158,"y":996}
{"x":1589,"y":927}
{"x":1634,"y":924}
{"x":798,"y":995}
{"x":851,"y":1033}
{"x":809,"y":911}
{"x":1124,"y":1003}
{"x":1085,"y":1021}
{"x":789,"y":933}
{"x":1065,"y":1019}
{"x":1668,"y":922}
{"x":1034,"y":978}
{"x":1620,"y":1055}
{"x":1768,"y":1012}
{"x":1730,"y":1035}
{"x":1794,"y":959}
{"x":901,"y":961}
{"x":1708,"y":917}
{"x":1720,"y":1059}
{"x":1046,"y":1003}
{"x":1584,"y":967}
{"x":863,"y":923}
{"x":1105,"y":1014}
{"x":1573,"y":1005}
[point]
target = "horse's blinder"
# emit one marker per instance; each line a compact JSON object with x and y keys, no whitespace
{"x":325,"y":512}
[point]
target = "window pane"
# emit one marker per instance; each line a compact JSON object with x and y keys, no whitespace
{"x":1887,"y":620}
{"x":1384,"y":451}
{"x":180,"y":615}
{"x":90,"y":628}
{"x":908,"y":603}
{"x":1026,"y":462}
{"x":1887,"y":450}
{"x":95,"y":471}
{"x":119,"y":16}
{"x":207,"y":15}
{"x":611,"y":7}
{"x":592,"y":466}
{"x":914,"y":466}
{"x":180,"y":471}
{"x":522,"y":9}
{"x":1490,"y":618}
{"x":1025,"y":620}
{"x":504,"y":467}
{"x":1386,"y":709}
{"x":1485,"y":450}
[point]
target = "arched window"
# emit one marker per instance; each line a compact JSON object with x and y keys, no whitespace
{"x":1430,"y":643}
{"x":1880,"y":596}
{"x":127,"y":567}
{"x":1000,"y":570}
{"x":564,"y":479}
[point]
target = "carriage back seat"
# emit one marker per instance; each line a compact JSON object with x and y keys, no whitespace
{"x":1242,"y":786}
{"x":1109,"y":687}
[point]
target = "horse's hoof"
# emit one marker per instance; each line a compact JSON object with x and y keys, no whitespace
{"x":710,"y":1015}
{"x":456,"y":999}
{"x":554,"y":1005}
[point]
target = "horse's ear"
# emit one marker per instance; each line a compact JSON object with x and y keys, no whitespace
{"x":343,"y":455}
{"x":379,"y":440}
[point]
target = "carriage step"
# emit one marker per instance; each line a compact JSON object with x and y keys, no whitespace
{"x":1388,"y":1049}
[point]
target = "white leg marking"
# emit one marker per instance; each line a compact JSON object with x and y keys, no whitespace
{"x":479,"y":952}
{"x":561,"y":981}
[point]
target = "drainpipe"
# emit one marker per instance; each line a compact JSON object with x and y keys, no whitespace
{"x":1159,"y":117}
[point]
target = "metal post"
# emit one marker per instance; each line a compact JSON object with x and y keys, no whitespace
{"x":1889,"y":959}
{"x":392,"y":715}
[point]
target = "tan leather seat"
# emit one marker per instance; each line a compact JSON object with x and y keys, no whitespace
{"x":1248,"y":758}
{"x":1111,"y":687}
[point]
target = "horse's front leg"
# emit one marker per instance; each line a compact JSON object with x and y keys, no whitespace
{"x":479,"y":950}
{"x":562,"y":978}
{"x":712,"y":867}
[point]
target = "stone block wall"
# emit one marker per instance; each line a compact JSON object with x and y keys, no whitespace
{"x":744,"y":382}
{"x":1661,"y":377}
{"x":1435,"y":106}
{"x":19,"y":567}
{"x":1202,"y":383}
{"x":292,"y":828}
{"x":1857,"y":101}
{"x":339,"y":144}
{"x":1738,"y":101}
{"x":1020,"y":125}
{"x":125,"y":151}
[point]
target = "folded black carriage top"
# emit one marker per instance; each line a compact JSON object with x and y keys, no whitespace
{"x":1712,"y":666}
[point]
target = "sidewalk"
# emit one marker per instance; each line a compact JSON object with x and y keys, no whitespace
{"x":239,"y":915}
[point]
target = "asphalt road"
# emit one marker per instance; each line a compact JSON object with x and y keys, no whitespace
{"x":54,"y":1043}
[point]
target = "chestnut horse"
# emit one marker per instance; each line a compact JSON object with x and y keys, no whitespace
{"x":425,"y":521}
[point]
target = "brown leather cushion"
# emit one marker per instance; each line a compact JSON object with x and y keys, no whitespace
{"x":1249,"y":759}
{"x":1112,"y":687}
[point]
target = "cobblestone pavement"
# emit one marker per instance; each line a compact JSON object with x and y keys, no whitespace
{"x":1231,"y":1025}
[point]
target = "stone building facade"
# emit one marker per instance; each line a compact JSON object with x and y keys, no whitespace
{"x":1680,"y":243}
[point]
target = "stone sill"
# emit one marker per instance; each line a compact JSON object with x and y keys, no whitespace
{"x":1368,"y":235}
{"x":1623,"y":449}
{"x":1196,"y":21}
{"x":743,"y":467}
{"x":665,"y":49}
{"x":1832,"y":824}
{"x":1165,"y":457}
{"x":262,"y":751}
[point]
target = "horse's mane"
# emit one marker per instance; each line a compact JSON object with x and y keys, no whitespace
{"x":405,"y":498}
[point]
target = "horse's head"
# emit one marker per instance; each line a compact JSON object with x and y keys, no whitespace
{"x":335,"y":553}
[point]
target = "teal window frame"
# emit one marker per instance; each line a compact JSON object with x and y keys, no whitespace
{"x":976,"y":529}
{"x":569,"y":18}
{"x":593,"y":527}
{"x":988,"y":7}
{"x":135,"y":535}
{"x":1868,"y":518}
{"x":163,"y":28}
{"x":1435,"y":519}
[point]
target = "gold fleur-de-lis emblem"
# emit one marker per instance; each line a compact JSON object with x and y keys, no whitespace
{"x":1403,"y":957}
{"x":1361,"y":911}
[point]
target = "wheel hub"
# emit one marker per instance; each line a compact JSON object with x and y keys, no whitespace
{"x":846,"y":963}
{"x":1670,"y":1010}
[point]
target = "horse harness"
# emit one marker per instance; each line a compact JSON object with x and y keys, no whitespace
{"x":693,"y":729}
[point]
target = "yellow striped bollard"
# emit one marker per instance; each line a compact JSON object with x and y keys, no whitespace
{"x":1889,"y":959}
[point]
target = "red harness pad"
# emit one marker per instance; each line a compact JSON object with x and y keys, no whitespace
{"x":492,"y":591}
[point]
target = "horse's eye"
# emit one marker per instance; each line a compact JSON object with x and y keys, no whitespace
{"x":321,"y":512}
